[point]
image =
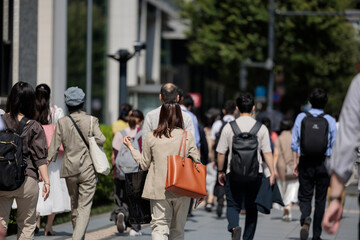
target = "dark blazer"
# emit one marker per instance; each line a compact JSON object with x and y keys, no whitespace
{"x":267,"y":196}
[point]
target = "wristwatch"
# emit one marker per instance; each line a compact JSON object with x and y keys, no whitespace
{"x":220,"y":171}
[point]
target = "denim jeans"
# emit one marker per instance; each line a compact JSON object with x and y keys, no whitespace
{"x":235,"y":193}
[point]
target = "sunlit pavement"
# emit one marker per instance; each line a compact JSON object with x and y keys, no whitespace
{"x":205,"y":225}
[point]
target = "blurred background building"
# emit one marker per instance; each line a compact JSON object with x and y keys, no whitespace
{"x":44,"y":41}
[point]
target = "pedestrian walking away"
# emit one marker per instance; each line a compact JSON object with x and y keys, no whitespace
{"x":229,"y":111}
{"x":125,"y":163}
{"x":77,"y":167}
{"x":59,"y":199}
{"x":20,"y":107}
{"x":283,"y":162}
{"x":168,"y":210}
{"x":240,"y":183}
{"x":313,"y":137}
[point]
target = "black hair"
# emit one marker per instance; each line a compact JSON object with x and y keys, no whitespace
{"x":125,"y":109}
{"x":75,"y":108}
{"x":286,"y":124}
{"x":245,"y":102}
{"x":169,"y":92}
{"x":21,"y":100}
{"x":187,"y":101}
{"x":318,"y":98}
{"x":42,"y":103}
{"x":229,"y":107}
{"x":135,"y":117}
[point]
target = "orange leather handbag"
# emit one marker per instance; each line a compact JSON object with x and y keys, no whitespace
{"x":184,"y":176}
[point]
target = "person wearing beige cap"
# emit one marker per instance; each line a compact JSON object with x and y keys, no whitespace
{"x":77,"y":167}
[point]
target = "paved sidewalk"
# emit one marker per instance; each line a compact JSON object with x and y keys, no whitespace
{"x":207,"y":226}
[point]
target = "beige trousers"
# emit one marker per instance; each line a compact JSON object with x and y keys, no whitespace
{"x":169,"y":218}
{"x":26,"y":199}
{"x":81,"y":189}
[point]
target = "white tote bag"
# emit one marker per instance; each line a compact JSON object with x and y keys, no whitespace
{"x":97,"y":154}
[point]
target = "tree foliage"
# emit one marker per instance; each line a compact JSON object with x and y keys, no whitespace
{"x":312,"y":51}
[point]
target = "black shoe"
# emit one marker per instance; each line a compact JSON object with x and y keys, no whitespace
{"x":236,"y":234}
{"x":304,"y":232}
{"x":219,"y":210}
{"x":120,"y":222}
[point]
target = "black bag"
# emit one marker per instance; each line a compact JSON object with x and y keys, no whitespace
{"x":314,"y":135}
{"x":244,"y":165}
{"x":12,"y":165}
{"x":139,"y":208}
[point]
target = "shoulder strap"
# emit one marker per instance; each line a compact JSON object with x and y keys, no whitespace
{"x":138,"y":135}
{"x":255,"y":128}
{"x":235,"y":128}
{"x":22,"y":125}
{"x":322,"y":115}
{"x":182,"y":140}
{"x":123,"y":133}
{"x":308,"y":114}
{"x":77,"y":128}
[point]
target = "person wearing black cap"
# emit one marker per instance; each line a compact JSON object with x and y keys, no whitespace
{"x":77,"y":167}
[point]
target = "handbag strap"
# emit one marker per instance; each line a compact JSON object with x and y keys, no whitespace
{"x":183,"y":141}
{"x":77,"y":128}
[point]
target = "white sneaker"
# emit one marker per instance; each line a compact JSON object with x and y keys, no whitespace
{"x":134,"y":233}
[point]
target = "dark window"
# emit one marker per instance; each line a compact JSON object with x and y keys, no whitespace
{"x":6,"y":48}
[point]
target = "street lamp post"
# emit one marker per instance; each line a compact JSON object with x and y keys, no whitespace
{"x":123,"y":56}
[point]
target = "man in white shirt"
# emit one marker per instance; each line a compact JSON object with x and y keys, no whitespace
{"x":237,"y":190}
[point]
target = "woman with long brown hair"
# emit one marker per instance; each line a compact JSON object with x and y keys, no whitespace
{"x":168,"y":210}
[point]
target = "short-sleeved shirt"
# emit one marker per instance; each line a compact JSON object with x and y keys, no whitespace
{"x":216,"y":127}
{"x":35,"y":149}
{"x":245,"y":124}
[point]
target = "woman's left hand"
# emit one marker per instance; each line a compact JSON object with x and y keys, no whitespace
{"x":127,"y":142}
{"x":46,"y":190}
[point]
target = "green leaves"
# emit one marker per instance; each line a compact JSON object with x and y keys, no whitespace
{"x":313,"y":51}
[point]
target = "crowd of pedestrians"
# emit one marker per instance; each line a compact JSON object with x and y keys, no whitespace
{"x":241,"y":155}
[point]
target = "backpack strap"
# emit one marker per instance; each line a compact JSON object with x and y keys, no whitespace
{"x":138,"y":135}
{"x":123,"y":133}
{"x":308,"y":114}
{"x":22,"y":125}
{"x":322,"y":115}
{"x":77,"y":128}
{"x":235,"y":128}
{"x":255,"y":128}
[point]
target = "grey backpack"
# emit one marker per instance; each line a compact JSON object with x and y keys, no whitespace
{"x":124,"y":162}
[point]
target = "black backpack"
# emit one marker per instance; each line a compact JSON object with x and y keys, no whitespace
{"x":244,"y":165}
{"x":12,"y":165}
{"x":314,"y":135}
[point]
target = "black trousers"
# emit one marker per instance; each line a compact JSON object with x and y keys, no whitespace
{"x":313,"y":176}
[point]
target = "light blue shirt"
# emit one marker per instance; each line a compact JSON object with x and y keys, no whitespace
{"x":196,"y":125}
{"x":2,"y":125}
{"x":296,"y":132}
